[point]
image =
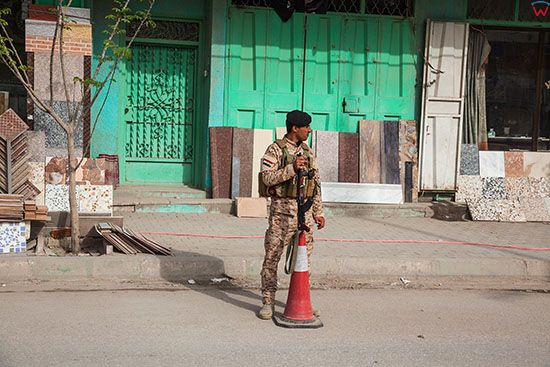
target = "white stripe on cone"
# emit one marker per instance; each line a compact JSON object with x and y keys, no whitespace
{"x":301,"y":260}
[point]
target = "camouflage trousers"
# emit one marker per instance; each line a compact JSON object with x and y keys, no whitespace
{"x":282,"y":227}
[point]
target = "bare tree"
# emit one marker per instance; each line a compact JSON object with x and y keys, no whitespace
{"x":112,"y":53}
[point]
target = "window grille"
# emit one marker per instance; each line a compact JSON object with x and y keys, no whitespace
{"x":168,"y":30}
{"x":403,"y":8}
{"x":491,"y":9}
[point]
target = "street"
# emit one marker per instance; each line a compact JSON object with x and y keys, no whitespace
{"x":209,"y":326}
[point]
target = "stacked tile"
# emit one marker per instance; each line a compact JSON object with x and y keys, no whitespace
{"x":40,"y":28}
{"x":326,"y":150}
{"x":11,"y":208}
{"x":37,"y":158}
{"x":502,"y":192}
{"x":35,"y":212}
{"x":379,"y":152}
{"x":14,"y":156}
{"x":408,"y":153}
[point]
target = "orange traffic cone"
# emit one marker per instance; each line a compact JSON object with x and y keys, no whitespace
{"x":298,"y":311}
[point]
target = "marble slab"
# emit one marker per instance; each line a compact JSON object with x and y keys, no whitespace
{"x":12,"y":237}
{"x":91,"y":171}
{"x":74,"y":67}
{"x":55,"y":135}
{"x":539,"y":187}
{"x":513,"y":164}
{"x":326,"y":151}
{"x":369,"y":151}
{"x":37,"y":146}
{"x":221,"y":155}
{"x":348,"y":157}
{"x":493,"y":188}
{"x":496,"y":210}
{"x":547,"y":204}
{"x":390,"y":157}
{"x":536,"y":164}
{"x":535,"y":209}
{"x":516,"y":187}
{"x":57,"y":198}
{"x":97,"y":199}
{"x":468,"y":187}
{"x":491,"y":164}
{"x":262,"y":139}
{"x":241,"y":176}
{"x":36,"y":177}
{"x":343,"y":192}
{"x":469,"y":160}
{"x":408,"y":153}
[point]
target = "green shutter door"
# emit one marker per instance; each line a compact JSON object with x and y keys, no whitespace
{"x":160,"y":113}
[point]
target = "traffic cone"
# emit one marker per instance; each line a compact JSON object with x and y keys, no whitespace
{"x":298,"y":311}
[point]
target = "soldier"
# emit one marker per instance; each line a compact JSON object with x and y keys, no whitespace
{"x":280,"y":163}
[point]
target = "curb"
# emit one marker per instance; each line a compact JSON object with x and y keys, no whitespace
{"x":181,"y":268}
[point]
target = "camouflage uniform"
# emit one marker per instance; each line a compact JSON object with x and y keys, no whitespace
{"x":283,"y":218}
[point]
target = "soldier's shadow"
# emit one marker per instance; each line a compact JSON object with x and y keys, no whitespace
{"x":173,"y":269}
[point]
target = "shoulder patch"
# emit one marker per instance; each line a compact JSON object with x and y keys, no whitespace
{"x":268,"y":162}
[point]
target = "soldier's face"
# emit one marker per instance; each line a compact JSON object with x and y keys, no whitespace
{"x":303,"y":132}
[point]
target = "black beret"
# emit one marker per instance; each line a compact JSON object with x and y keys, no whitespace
{"x":298,"y":118}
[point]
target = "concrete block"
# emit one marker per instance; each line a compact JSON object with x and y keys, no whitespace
{"x":251,"y":207}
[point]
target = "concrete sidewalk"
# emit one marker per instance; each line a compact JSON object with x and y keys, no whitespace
{"x":197,"y":257}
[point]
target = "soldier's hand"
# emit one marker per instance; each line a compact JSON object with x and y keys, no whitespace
{"x":320,"y":222}
{"x":300,"y":163}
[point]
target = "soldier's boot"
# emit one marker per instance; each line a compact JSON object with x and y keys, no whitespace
{"x":266,"y":312}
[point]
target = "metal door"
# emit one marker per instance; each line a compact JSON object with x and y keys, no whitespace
{"x":443,"y":104}
{"x":160,"y":114}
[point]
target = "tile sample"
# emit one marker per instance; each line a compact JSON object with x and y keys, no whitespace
{"x":539,"y":187}
{"x":369,"y":151}
{"x":221,"y":144}
{"x":535,"y":209}
{"x":95,"y":199}
{"x":241,"y":177}
{"x":468,"y":187}
{"x":326,"y":151}
{"x":408,"y":153}
{"x":55,"y":135}
{"x":341,"y":192}
{"x":513,"y":164}
{"x":37,"y":146}
{"x":11,"y":125}
{"x":12,"y":237}
{"x":262,"y":139}
{"x":36,"y":177}
{"x":348,"y":157}
{"x":493,"y":188}
{"x":469,"y":160}
{"x":390,"y":155}
{"x":74,"y":67}
{"x":516,"y":187}
{"x":496,"y":210}
{"x":536,"y":164}
{"x":57,"y":198}
{"x":491,"y":164}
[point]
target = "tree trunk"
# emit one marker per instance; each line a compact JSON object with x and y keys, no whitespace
{"x":73,"y":203}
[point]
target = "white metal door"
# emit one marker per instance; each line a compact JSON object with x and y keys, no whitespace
{"x":442,"y":104}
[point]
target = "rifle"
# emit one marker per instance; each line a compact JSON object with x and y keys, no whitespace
{"x":303,"y":206}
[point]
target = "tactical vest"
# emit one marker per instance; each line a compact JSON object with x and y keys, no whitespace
{"x":289,"y":188}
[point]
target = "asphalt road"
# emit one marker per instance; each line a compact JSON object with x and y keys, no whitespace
{"x":218,"y":327}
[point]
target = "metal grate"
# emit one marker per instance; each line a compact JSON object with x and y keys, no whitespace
{"x":168,"y":30}
{"x":402,"y":8}
{"x":491,"y":9}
